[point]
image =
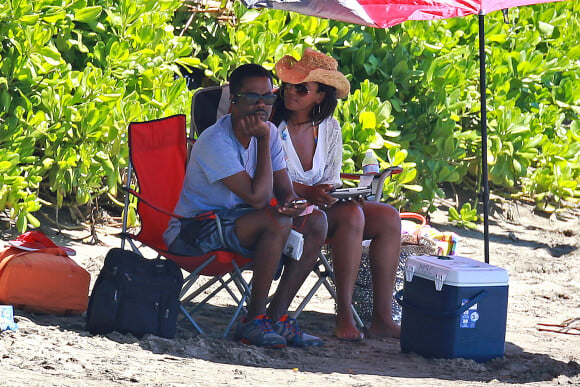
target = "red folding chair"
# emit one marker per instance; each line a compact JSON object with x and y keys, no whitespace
{"x":158,"y":156}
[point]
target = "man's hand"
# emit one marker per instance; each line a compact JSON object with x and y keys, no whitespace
{"x":254,"y":125}
{"x":293,"y":207}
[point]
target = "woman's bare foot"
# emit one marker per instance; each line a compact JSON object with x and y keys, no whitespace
{"x":380,"y":328}
{"x":346,"y":330}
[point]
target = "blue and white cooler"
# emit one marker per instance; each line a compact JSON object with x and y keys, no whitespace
{"x":453,"y":307}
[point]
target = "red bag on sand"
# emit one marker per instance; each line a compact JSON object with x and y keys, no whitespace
{"x":36,"y":240}
{"x":43,"y":281}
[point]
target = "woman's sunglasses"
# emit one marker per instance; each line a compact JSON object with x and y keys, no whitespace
{"x":301,"y":89}
{"x":253,"y":98}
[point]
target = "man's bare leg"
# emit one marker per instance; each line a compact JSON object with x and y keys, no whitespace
{"x":314,"y":228}
{"x":264,"y":231}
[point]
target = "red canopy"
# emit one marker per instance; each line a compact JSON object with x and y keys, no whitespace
{"x":386,"y":13}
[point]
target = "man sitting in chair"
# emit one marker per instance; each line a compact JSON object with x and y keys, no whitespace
{"x":237,"y":168}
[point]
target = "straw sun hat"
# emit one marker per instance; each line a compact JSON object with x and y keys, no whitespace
{"x":313,"y":67}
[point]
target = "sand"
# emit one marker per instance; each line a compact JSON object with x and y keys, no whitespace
{"x":540,"y":253}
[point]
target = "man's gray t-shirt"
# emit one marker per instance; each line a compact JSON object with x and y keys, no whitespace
{"x":217,"y":154}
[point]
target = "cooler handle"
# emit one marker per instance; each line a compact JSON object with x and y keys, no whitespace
{"x":478,"y":297}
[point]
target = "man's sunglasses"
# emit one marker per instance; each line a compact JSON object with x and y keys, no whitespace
{"x":301,"y":89}
{"x":253,"y":98}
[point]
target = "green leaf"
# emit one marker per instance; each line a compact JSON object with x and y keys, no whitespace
{"x":21,"y":222}
{"x":88,"y":14}
{"x":30,"y":19}
{"x":32,"y":220}
{"x":5,"y":165}
{"x":400,"y":157}
{"x":112,"y":97}
{"x":453,"y":214}
{"x":376,"y":141}
{"x":545,"y":28}
{"x":470,"y":225}
{"x":413,"y":187}
{"x":54,"y":17}
{"x":192,"y":62}
{"x":400,"y":70}
{"x":515,"y":129}
{"x":496,"y":38}
{"x":368,"y":120}
{"x":51,"y":55}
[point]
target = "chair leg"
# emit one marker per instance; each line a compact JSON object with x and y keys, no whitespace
{"x":191,"y":320}
{"x":235,"y":277}
{"x":244,"y":289}
{"x":223,"y":286}
{"x":192,"y":277}
{"x":322,"y":278}
{"x":235,"y":316}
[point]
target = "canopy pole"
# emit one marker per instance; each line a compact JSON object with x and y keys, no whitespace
{"x":484,"y":173}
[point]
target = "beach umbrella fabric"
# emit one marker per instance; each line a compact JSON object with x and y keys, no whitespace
{"x":387,"y":13}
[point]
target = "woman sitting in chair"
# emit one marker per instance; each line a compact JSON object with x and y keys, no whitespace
{"x":312,"y":139}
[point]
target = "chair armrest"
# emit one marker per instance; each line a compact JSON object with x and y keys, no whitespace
{"x":156,"y":208}
{"x":378,"y":179}
{"x":385,"y":172}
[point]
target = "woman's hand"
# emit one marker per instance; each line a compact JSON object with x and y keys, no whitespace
{"x":318,"y":194}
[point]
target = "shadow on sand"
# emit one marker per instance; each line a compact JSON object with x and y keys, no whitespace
{"x":335,"y":356}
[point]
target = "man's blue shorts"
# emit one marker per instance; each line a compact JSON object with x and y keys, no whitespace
{"x":201,"y":236}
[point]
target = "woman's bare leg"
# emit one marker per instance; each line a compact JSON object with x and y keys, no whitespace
{"x":383,"y":227}
{"x":345,"y":225}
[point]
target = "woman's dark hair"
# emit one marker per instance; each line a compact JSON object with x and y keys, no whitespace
{"x":327,"y":105}
{"x":240,"y":74}
{"x":318,"y":114}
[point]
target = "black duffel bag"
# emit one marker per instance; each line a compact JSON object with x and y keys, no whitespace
{"x":135,"y":295}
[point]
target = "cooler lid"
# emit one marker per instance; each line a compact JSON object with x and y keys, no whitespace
{"x":455,"y":271}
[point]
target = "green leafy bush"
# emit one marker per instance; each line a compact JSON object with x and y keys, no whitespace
{"x":74,"y":74}
{"x":415,"y":96}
